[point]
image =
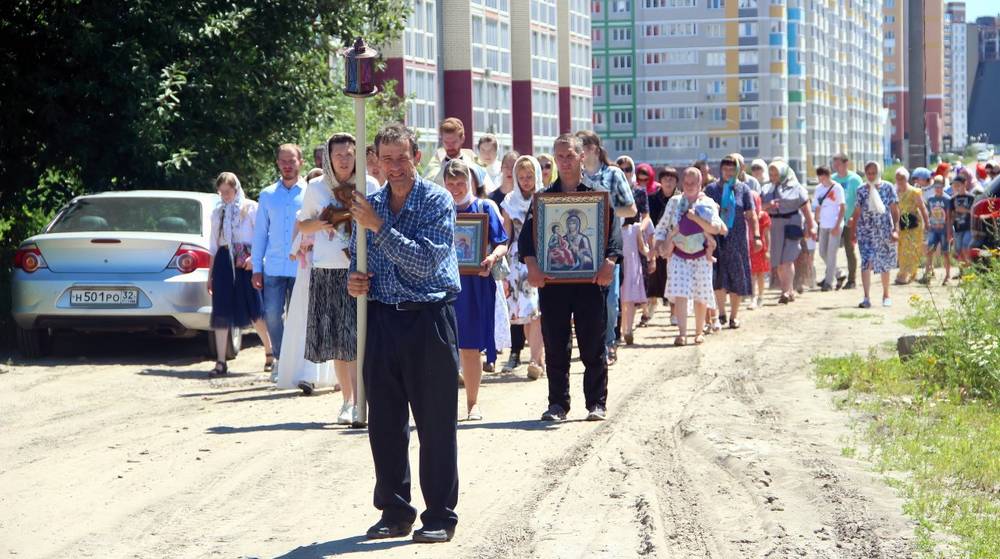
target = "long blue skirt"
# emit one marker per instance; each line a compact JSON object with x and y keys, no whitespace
{"x":476,"y":311}
{"x":235,"y":302}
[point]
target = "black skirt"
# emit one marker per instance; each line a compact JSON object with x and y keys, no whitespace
{"x":235,"y":302}
{"x":331,"y":329}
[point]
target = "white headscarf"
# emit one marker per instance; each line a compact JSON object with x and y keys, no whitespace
{"x":470,"y":188}
{"x":515,"y":204}
{"x":632,"y":179}
{"x":232,"y":215}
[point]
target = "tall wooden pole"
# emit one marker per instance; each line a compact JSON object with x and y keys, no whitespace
{"x":361,"y":184}
{"x":917,"y":149}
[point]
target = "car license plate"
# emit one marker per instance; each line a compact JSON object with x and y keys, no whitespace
{"x":104,"y":297}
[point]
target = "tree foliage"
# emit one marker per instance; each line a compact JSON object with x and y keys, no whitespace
{"x":123,"y":94}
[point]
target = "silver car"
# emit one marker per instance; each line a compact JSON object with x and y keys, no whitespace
{"x":118,"y":261}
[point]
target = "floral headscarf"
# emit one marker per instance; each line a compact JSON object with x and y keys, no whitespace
{"x":232,"y":216}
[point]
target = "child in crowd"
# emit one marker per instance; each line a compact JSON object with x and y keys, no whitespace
{"x":939,"y":232}
{"x":961,"y":219}
{"x":693,"y":243}
{"x":635,"y":252}
{"x":760,"y":260}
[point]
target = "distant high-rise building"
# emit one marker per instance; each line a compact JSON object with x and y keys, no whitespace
{"x":896,"y":47}
{"x":988,"y":29}
{"x":495,"y":64}
{"x":679,"y":80}
{"x":956,"y":83}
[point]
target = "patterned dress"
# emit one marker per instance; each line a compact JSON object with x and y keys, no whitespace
{"x":911,"y":241}
{"x":878,"y":250}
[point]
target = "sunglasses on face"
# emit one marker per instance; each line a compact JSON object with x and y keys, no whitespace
{"x":546,"y":165}
{"x":626,"y":169}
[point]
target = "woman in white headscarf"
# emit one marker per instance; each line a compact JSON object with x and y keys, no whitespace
{"x":235,"y":303}
{"x":522,"y":298}
{"x":876,"y":219}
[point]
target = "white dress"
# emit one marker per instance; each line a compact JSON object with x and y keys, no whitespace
{"x":293,"y":368}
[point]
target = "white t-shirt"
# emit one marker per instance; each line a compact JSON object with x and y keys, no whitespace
{"x":328,"y":253}
{"x":830,"y":209}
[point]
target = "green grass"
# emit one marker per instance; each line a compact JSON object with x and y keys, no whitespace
{"x":947,"y":443}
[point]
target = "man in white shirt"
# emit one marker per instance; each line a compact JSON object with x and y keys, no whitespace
{"x":452,"y":134}
{"x":331,"y":329}
{"x":831,"y":204}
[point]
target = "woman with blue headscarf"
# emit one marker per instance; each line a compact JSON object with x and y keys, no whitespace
{"x":732,"y":267}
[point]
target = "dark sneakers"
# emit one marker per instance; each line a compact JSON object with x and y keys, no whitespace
{"x":554,"y":413}
{"x":388,"y":529}
{"x":427,"y":535}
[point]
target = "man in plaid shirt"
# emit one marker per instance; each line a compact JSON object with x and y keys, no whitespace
{"x":411,"y":359}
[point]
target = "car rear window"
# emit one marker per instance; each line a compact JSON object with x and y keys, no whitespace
{"x":143,"y":214}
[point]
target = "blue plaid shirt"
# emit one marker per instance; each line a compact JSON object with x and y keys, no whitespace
{"x":413,"y":256}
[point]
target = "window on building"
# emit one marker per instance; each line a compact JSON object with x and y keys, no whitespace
{"x":624,"y":146}
{"x":716,"y":87}
{"x":749,"y":142}
{"x":748,"y":4}
{"x":621,"y":117}
{"x":715,"y":59}
{"x":716,"y":4}
{"x":749,"y":85}
{"x":621,"y":61}
{"x":718,"y":114}
{"x":621,"y":6}
{"x":748,"y":29}
{"x":714,"y":142}
{"x":749,"y":113}
{"x":748,"y":57}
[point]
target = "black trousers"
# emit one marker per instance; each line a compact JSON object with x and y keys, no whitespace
{"x":586,"y":305}
{"x":516,"y":338}
{"x":411,"y":360}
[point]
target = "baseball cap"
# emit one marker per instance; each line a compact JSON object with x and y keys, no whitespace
{"x":921,"y":173}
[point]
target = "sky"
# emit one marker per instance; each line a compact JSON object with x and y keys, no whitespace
{"x":977,"y":8}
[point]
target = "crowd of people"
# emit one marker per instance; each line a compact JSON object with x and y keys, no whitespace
{"x":696,"y":241}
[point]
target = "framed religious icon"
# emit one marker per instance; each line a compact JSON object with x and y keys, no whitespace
{"x":571,"y":234}
{"x":471,"y":241}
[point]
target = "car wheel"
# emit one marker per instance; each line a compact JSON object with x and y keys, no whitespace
{"x":234,"y":343}
{"x":33,"y":342}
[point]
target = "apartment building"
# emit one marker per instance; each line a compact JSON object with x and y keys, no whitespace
{"x":679,"y":80}
{"x":956,"y":81}
{"x":896,"y":46}
{"x":518,"y":69}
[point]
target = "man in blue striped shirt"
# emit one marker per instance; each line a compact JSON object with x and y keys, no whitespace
{"x":411,"y":358}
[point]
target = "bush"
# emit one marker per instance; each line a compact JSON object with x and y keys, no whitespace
{"x":964,"y":354}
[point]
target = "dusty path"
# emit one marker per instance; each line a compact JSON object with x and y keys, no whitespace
{"x":725,"y":450}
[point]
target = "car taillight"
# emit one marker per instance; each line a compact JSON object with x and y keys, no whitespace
{"x":189,"y":258}
{"x":29,"y":258}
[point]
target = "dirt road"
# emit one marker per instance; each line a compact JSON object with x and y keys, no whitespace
{"x":121,"y":447}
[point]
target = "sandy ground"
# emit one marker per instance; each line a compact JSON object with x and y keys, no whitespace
{"x":120,"y":446}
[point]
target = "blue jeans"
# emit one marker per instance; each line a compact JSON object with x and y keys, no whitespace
{"x":614,"y":294}
{"x":277,"y":292}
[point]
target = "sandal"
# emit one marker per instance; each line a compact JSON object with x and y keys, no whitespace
{"x":268,"y":362}
{"x":680,"y":341}
{"x":734,"y":324}
{"x":220,"y":369}
{"x":698,"y":340}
